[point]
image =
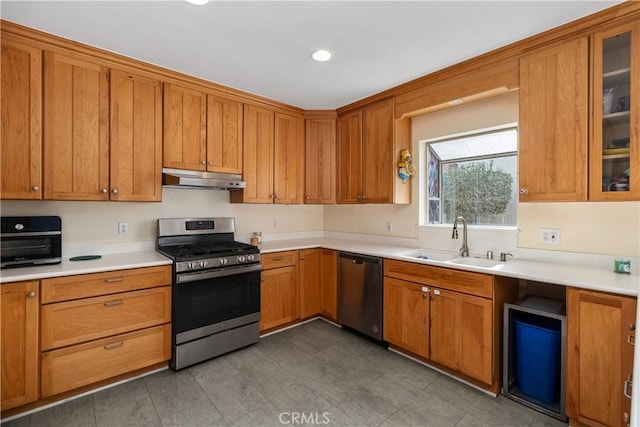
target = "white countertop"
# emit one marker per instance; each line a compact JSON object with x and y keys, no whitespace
{"x":579,"y":275}
{"x":108,"y":262}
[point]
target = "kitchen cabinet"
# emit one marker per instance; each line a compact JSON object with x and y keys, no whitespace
{"x":19,"y":342}
{"x":330,"y":284}
{"x":320,"y":161}
{"x":101,"y":142}
{"x":310,"y":282}
{"x":553,"y":123}
{"x":462,"y":333}
{"x":202,"y":132}
{"x":369,"y":144}
{"x":224,"y":135}
{"x":135,"y":156}
{"x":600,"y":337}
{"x":98,"y":326}
{"x":406,"y":315}
{"x":76,"y":129}
{"x":615,"y":139}
{"x":279,"y":298}
{"x":448,"y":317}
{"x":273,"y":157}
{"x":185,"y":124}
{"x":21,"y":109}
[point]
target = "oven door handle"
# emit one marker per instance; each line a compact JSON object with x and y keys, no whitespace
{"x":222,"y":272}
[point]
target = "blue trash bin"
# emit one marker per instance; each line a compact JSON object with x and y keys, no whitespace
{"x":537,"y":360}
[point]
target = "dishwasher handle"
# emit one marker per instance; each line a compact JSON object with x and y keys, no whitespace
{"x":359,"y":259}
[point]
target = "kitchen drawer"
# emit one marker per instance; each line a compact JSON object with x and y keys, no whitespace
{"x":83,"y":364}
{"x":73,"y":322}
{"x":455,"y":280}
{"x":279,"y":259}
{"x":91,"y":285}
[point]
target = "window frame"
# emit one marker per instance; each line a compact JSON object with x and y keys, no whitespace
{"x":431,"y":152}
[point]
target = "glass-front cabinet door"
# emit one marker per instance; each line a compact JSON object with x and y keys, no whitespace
{"x":615,"y":147}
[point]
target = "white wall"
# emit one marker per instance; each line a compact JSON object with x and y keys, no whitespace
{"x":97,"y":222}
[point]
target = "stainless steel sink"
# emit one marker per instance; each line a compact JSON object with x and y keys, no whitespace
{"x":490,"y":264}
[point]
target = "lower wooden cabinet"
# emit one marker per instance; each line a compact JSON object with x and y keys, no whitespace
{"x":310,"y":282}
{"x":19,"y":305}
{"x":102,"y":325}
{"x":330,"y":284}
{"x":279,"y":303}
{"x":448,"y":317}
{"x":600,"y":328}
{"x":462,"y":333}
{"x":406,"y":315}
{"x":76,"y":366}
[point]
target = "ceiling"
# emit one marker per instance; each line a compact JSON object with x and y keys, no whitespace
{"x":264,"y":47}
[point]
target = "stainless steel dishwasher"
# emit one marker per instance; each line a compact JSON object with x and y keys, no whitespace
{"x":360,"y":293}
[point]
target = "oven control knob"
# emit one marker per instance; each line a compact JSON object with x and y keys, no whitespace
{"x":223,"y":261}
{"x":242,"y":258}
{"x":191,"y":265}
{"x":203,"y":264}
{"x":250,"y":257}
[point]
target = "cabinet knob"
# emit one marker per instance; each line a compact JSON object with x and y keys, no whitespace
{"x":114,"y":191}
{"x":302,"y":258}
{"x":523,"y":191}
{"x":307,"y":197}
{"x":632,"y":326}
{"x":31,"y":294}
{"x":35,"y":188}
{"x":104,"y":191}
{"x":204,"y":162}
{"x":210,"y":163}
{"x":424,"y":296}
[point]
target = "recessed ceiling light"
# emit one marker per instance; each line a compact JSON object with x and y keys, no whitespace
{"x":456,"y":101}
{"x":321,"y":55}
{"x":198,"y":2}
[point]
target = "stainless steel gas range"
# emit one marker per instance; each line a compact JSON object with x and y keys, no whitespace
{"x":216,"y":288}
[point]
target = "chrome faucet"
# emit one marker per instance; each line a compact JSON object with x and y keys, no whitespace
{"x":464,"y":249}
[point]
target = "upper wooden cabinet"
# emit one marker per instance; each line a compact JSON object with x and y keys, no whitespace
{"x":288,"y":155}
{"x":320,"y":161}
{"x":202,"y":131}
{"x":185,"y":112}
{"x":600,"y":337}
{"x":136,"y":138}
{"x":21,"y":107}
{"x":224,"y":135}
{"x":553,"y":123}
{"x":102,"y":132}
{"x":19,"y":310}
{"x":76,"y":124}
{"x":369,"y":144}
{"x":349,"y":157}
{"x":273,"y":157}
{"x":615,"y":139}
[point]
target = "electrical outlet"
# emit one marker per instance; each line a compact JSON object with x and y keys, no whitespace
{"x":550,"y":236}
{"x":388,"y":226}
{"x":274,"y":222}
{"x":123,"y":228}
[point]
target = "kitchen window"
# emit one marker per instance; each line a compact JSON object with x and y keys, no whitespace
{"x":473,"y":175}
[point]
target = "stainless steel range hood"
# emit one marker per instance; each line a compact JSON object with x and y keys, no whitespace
{"x":178,"y":178}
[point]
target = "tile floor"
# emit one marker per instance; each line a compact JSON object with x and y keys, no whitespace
{"x":316,"y":372}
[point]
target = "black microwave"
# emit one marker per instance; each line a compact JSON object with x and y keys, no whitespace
{"x":30,"y":240}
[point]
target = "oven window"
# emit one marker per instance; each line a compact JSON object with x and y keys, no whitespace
{"x":209,"y":301}
{"x":17,"y":249}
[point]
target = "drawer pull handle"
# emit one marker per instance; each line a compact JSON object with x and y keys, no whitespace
{"x":627,"y":385}
{"x":114,"y":279}
{"x":112,"y":303}
{"x":114,"y":345}
{"x":278,"y":258}
{"x":631,"y":339}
